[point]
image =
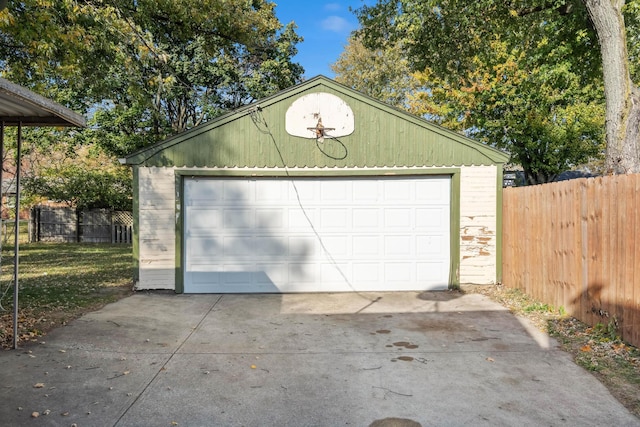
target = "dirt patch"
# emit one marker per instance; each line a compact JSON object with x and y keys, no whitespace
{"x":597,"y":349}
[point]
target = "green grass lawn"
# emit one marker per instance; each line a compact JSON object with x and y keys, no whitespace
{"x":60,"y":281}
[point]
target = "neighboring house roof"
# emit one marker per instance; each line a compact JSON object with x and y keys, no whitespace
{"x":20,"y":105}
{"x":383,"y":136}
{"x":567,"y":175}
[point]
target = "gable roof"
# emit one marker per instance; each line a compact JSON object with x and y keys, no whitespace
{"x":384,"y":136}
{"x":20,"y":105}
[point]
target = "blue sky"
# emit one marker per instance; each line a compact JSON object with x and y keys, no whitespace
{"x":325,"y":27}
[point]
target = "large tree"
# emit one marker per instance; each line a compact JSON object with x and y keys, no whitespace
{"x":449,"y":37}
{"x":382,"y":73}
{"x":147,"y":69}
{"x":549,"y":118}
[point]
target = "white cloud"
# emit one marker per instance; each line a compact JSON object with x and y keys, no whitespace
{"x":335,"y":23}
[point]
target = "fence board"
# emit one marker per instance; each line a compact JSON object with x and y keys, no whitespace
{"x":573,"y":244}
{"x":634,"y":334}
{"x":60,"y":224}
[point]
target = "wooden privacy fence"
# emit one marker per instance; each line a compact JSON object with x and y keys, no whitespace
{"x":61,"y":224}
{"x":576,"y":244}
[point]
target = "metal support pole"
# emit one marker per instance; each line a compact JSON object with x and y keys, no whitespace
{"x":16,"y":246}
{"x":1,"y":186}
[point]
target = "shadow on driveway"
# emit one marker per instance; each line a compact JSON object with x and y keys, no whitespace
{"x":437,"y":358}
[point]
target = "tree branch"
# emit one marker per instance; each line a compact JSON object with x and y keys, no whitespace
{"x":564,"y":9}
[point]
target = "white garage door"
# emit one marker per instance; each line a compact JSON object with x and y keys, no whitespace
{"x":316,"y":234}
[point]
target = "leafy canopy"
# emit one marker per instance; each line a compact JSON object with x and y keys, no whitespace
{"x":87,"y":179}
{"x":147,"y":69}
{"x":502,"y":72}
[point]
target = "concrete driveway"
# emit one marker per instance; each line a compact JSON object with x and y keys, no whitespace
{"x":437,"y":358}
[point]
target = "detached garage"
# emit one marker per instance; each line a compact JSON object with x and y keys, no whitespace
{"x":316,"y":189}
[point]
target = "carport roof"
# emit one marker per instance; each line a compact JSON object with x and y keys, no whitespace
{"x":20,"y":105}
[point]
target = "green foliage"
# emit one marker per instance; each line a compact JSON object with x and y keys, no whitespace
{"x":84,"y":179}
{"x":83,"y":188}
{"x":382,"y":73}
{"x":538,"y":306}
{"x":145,"y":70}
{"x":503,"y":73}
{"x":608,"y":331}
{"x":632,"y":21}
{"x":449,"y":36}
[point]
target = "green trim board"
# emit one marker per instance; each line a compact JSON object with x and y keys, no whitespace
{"x":454,"y":224}
{"x":454,"y":206}
{"x":179,"y":235}
{"x":499,"y":189}
{"x":136,"y":226}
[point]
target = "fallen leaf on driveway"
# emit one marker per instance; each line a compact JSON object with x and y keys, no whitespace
{"x":38,"y":385}
{"x":489,"y":359}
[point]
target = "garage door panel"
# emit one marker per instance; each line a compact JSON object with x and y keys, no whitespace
{"x":432,"y":218}
{"x":366,"y":273}
{"x":201,"y":219}
{"x":366,"y":246}
{"x":319,"y":234}
{"x":270,"y":194}
{"x":398,"y":272}
{"x":430,"y":192}
{"x":299,"y":219}
{"x":264,"y":246}
{"x":430,"y":245}
{"x":334,"y":191}
{"x":237,"y":190}
{"x":336,"y":245}
{"x":238,"y":246}
{"x":334,"y":218}
{"x":427,"y":271}
{"x":276,"y":272}
{"x":305,"y":190}
{"x":398,"y":218}
{"x":203,"y":194}
{"x":302,"y":272}
{"x":203,"y":247}
{"x":331,"y":273}
{"x":270,"y":218}
{"x":398,"y":191}
{"x":365,"y":191}
{"x":302,"y":247}
{"x":238,"y":218}
{"x":365,"y":218}
{"x":398,"y":246}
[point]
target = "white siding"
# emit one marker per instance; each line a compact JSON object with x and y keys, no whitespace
{"x":156,"y":228}
{"x":478,"y":223}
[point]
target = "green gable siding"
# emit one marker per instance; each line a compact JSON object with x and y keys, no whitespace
{"x":255,"y":137}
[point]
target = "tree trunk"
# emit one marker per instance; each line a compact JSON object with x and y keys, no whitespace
{"x":622,"y":116}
